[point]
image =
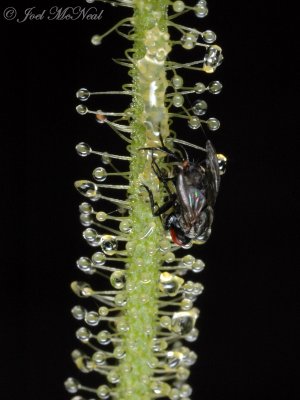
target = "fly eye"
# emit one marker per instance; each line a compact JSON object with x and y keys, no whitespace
{"x":222,"y":161}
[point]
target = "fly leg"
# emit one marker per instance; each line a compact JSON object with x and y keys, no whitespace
{"x":156,"y":210}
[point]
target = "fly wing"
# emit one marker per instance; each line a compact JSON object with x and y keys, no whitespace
{"x":192,"y":200}
{"x":212,"y":173}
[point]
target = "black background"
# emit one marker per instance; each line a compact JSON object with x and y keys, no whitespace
{"x":247,"y":343}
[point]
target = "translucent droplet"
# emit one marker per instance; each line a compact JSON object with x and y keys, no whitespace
{"x":83,"y":334}
{"x":83,"y":94}
{"x":72,"y":385}
{"x":99,"y":357}
{"x":118,"y":279}
{"x":192,"y":336}
{"x":119,"y":352}
{"x":120,"y":299}
{"x":194,"y":122}
{"x":191,"y":358}
{"x":161,"y":389}
{"x":213,"y":124}
{"x":185,"y":390}
{"x":199,"y":88}
{"x":109,"y":244}
{"x":215,"y":87}
{"x":113,"y":376}
{"x":101,"y":216}
{"x":170,"y":284}
{"x":90,"y":1}
{"x":178,"y":100}
{"x":186,"y":304}
{"x":200,"y":107}
{"x":201,"y":10}
{"x":81,"y":109}
{"x":198,"y":266}
{"x":198,"y":288}
{"x":78,"y":312}
{"x":209,"y":36}
{"x":165,"y":321}
{"x":87,"y":189}
{"x":103,"y":392}
{"x":169,"y":257}
{"x":178,"y":6}
{"x":174,"y":358}
{"x":91,"y":236}
{"x":96,"y":40}
{"x":103,"y":311}
{"x":159,"y":345}
{"x":86,"y":208}
{"x":100,"y":174}
{"x":122,"y":325}
{"x":85,"y":265}
{"x":189,"y":40}
{"x":212,"y":59}
{"x":188,"y":260}
{"x":98,"y":258}
{"x":86,"y":219}
{"x":106,"y":159}
{"x":184,"y":321}
{"x":104,"y":337}
{"x":82,"y":361}
{"x":174,"y":394}
{"x":164,"y":245}
{"x":177,"y":82}
{"x":83,"y":149}
{"x":222,"y":161}
{"x":92,"y":318}
{"x":81,"y":289}
{"x":125,"y":226}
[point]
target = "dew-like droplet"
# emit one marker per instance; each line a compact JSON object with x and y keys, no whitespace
{"x":209,"y":36}
{"x":84,"y":264}
{"x":198,"y":266}
{"x":99,"y":357}
{"x":103,"y":311}
{"x":192,"y":336}
{"x":222,"y":161}
{"x":201,"y":10}
{"x":194,"y":122}
{"x":212,"y":58}
{"x":106,"y":159}
{"x":184,"y":321}
{"x":98,"y":258}
{"x":101,"y":216}
{"x":88,"y":189}
{"x":185,"y":390}
{"x":178,"y":100}
{"x":81,"y":109}
{"x":113,"y":376}
{"x":109,"y":244}
{"x":81,"y":289}
{"x":104,"y":337}
{"x":200,"y":107}
{"x":83,"y":334}
{"x":83,"y":149}
{"x":215,"y":87}
{"x":86,"y":208}
{"x":78,"y":312}
{"x":83,"y":94}
{"x":86,"y":219}
{"x":170,"y":284}
{"x":72,"y":385}
{"x":92,"y":318}
{"x":199,"y":88}
{"x":213,"y":124}
{"x":174,"y":358}
{"x":178,"y":6}
{"x":90,"y":235}
{"x":120,"y":299}
{"x":118,"y":279}
{"x":177,"y":81}
{"x":100,"y":174}
{"x":103,"y":392}
{"x":119,"y":352}
{"x":186,"y":304}
{"x":96,"y":40}
{"x":125,"y":226}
